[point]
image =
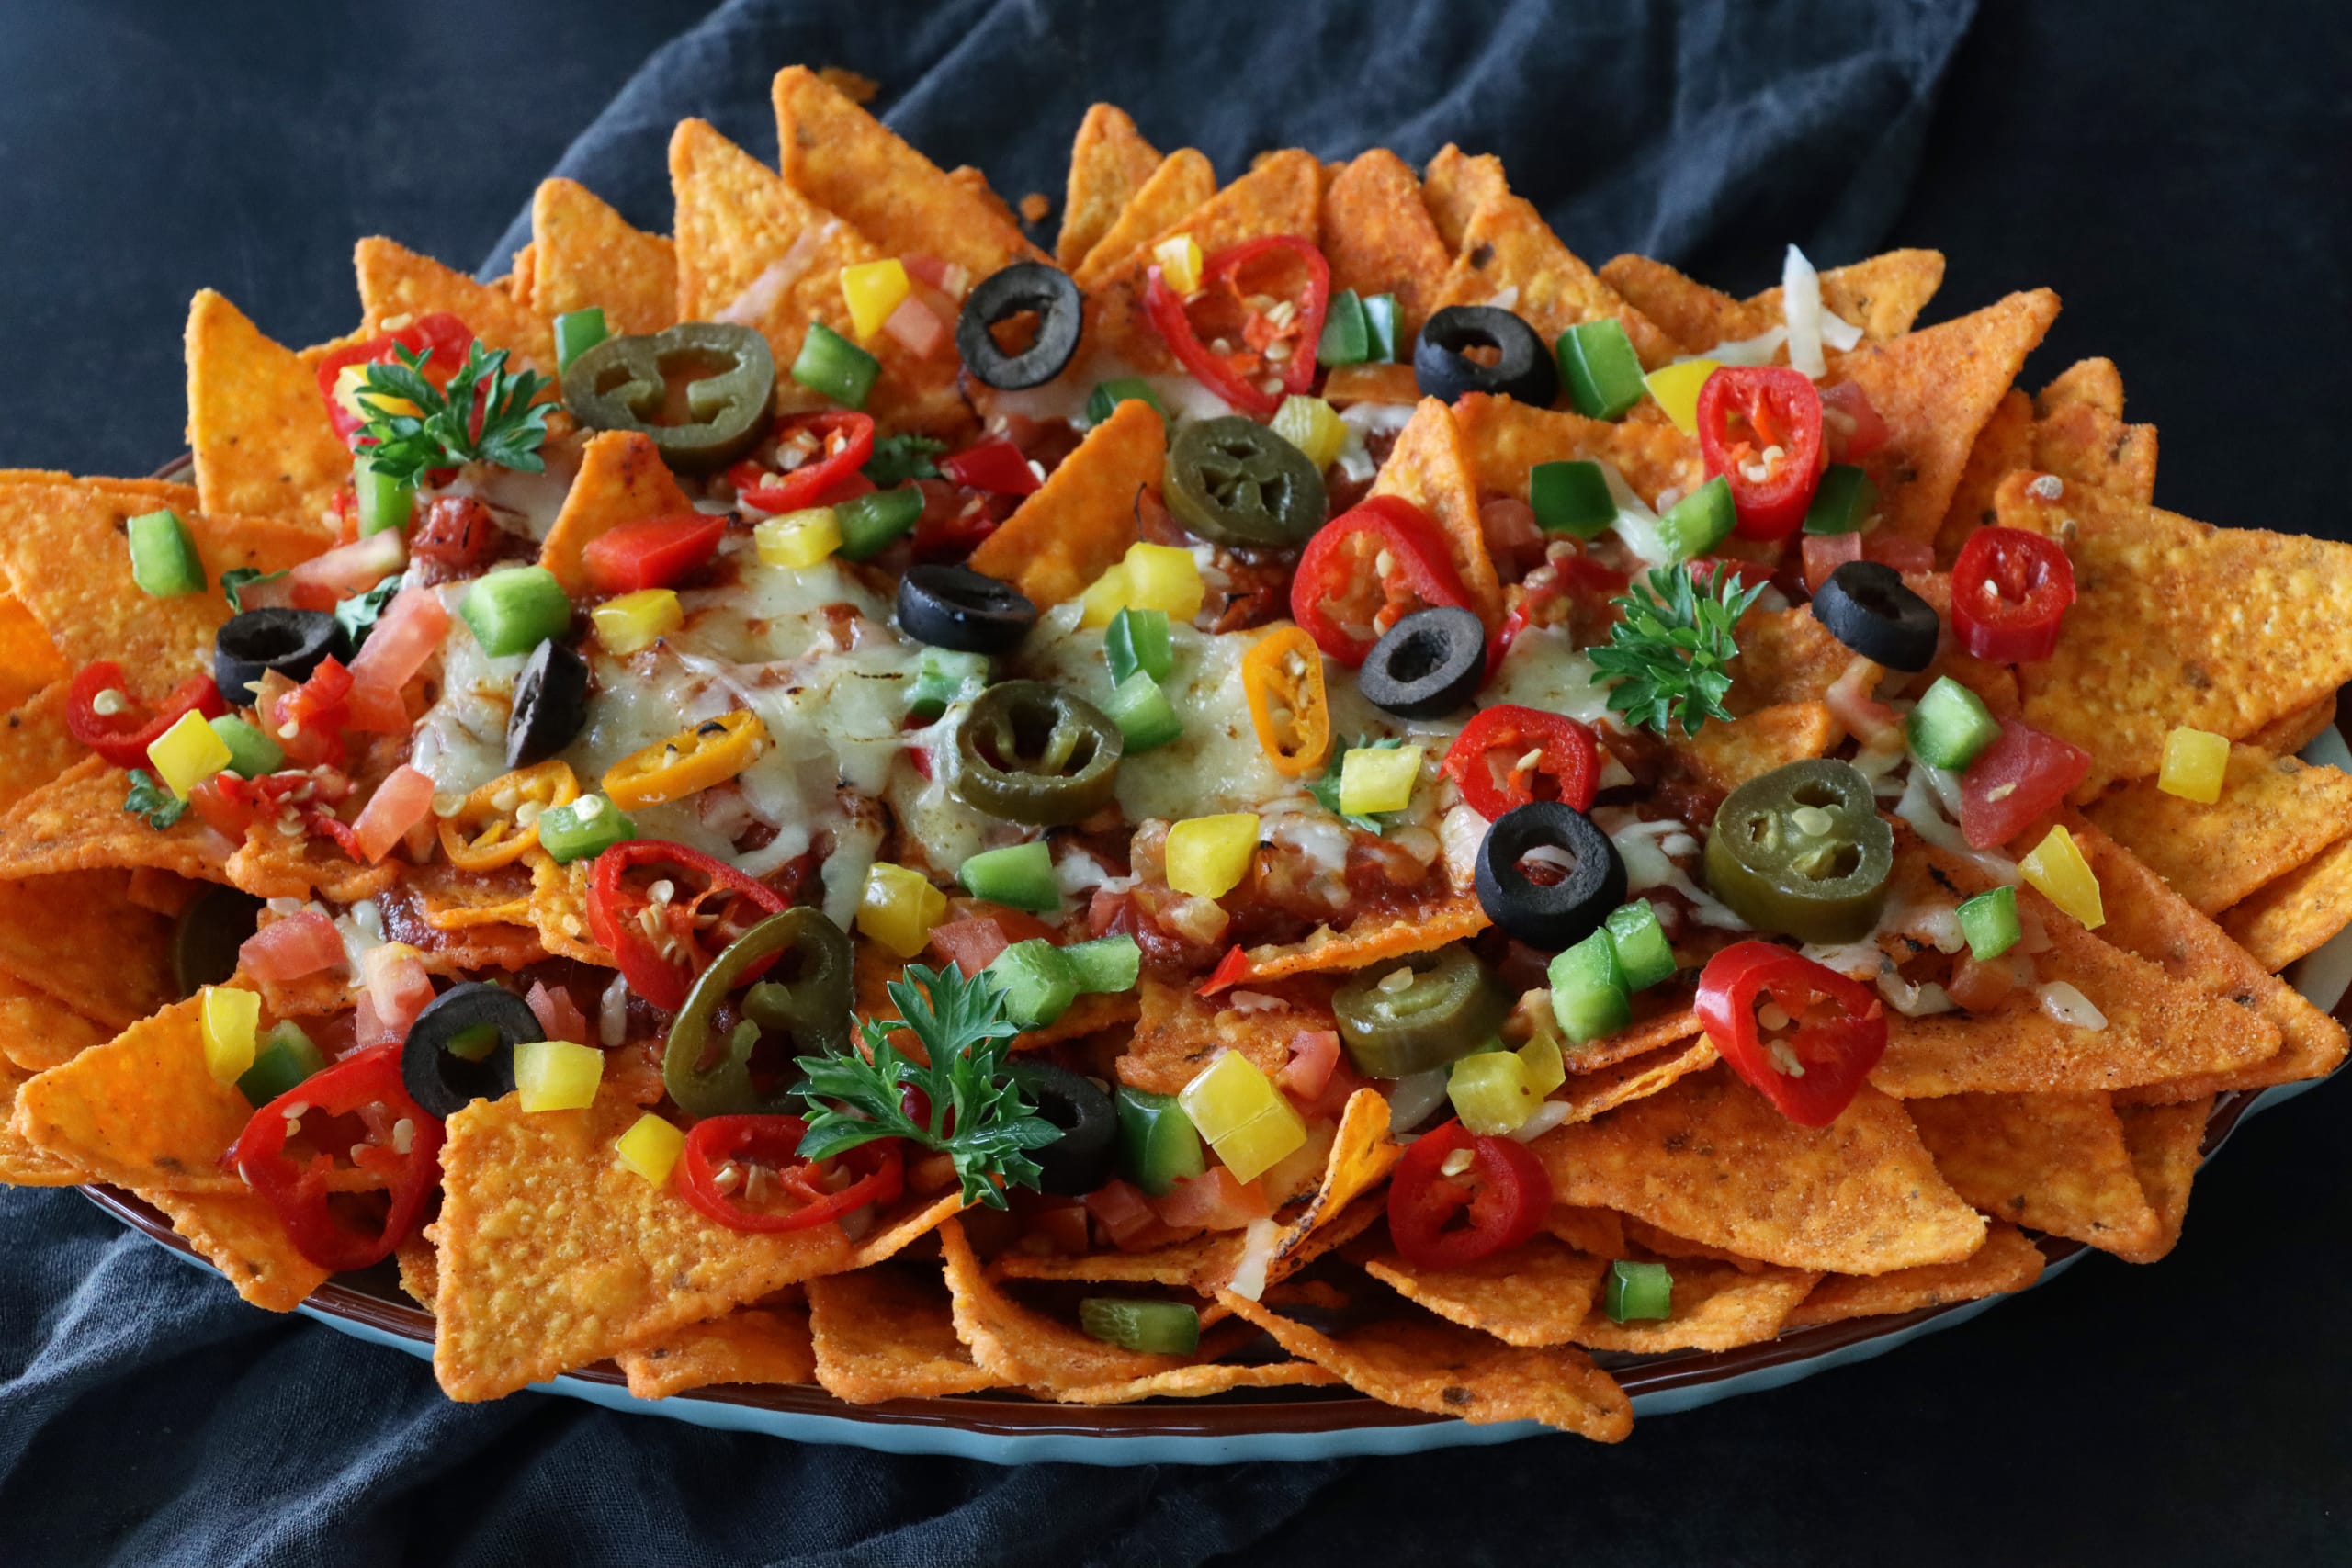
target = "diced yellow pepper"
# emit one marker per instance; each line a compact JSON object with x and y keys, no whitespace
{"x":1107,"y":597}
{"x":1180,"y":263}
{"x":2055,"y":868}
{"x":1309,"y":424}
{"x":1208,"y":856}
{"x":650,"y":1148}
{"x":1491,"y":1093}
{"x":637,"y":620}
{"x":188,"y":753}
{"x":1245,"y":1118}
{"x":872,"y":290}
{"x":555,"y":1074}
{"x":899,"y":908}
{"x":799,"y":539}
{"x":230,"y":1018}
{"x":347,"y":382}
{"x":1378,"y":779}
{"x":1163,"y":577}
{"x":1676,"y":388}
{"x":2195,"y":761}
{"x":1546,"y":1070}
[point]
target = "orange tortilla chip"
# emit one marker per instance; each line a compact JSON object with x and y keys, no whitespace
{"x":1506,"y":438}
{"x":1714,"y":1306}
{"x":622,"y":478}
{"x":141,"y":1110}
{"x":2089,"y":446}
{"x":2290,"y":732}
{"x":167,"y":893}
{"x":76,"y":822}
{"x":1537,"y":1294}
{"x":1361,"y":1157}
{"x":1883,"y":294}
{"x":1371,"y":940}
{"x":1686,"y":311}
{"x":1454,"y":186}
{"x":1590,"y":1094}
{"x":1709,"y":1158}
{"x":2090,"y":383}
{"x":2005,"y":443}
{"x":750,"y":1345}
{"x":419,"y":1262}
{"x":1646,"y":1238}
{"x":1675,"y":1022}
{"x":2007,"y":1262}
{"x":35,"y":745}
{"x":2288,"y":918}
{"x":1184,"y":182}
{"x":1178,"y":1031}
{"x":889,"y":1333}
{"x":554,"y":1254}
{"x":242,"y":1235}
{"x":395,"y":281}
{"x":1724,"y":756}
{"x":1508,"y":245}
{"x":2275,"y":814}
{"x":22,"y":1162}
{"x":255,"y":422}
{"x":1203,"y":1260}
{"x":1080,"y":523}
{"x":1108,"y":164}
{"x":79,"y":938}
{"x":1379,"y":237}
{"x":38,"y":1032}
{"x":1198,"y":1381}
{"x":914,"y":1219}
{"x":30,"y":662}
{"x":1600,"y":1232}
{"x":560,"y":909}
{"x":1428,"y":468}
{"x":2167,"y":1144}
{"x":1785,"y":656}
{"x":583,"y":254}
{"x":2056,"y":1163}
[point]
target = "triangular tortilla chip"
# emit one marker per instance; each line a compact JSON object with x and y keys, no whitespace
{"x":180,"y":498}
{"x":1184,"y":182}
{"x":2177,"y":622}
{"x":1714,"y":1306}
{"x":1694,"y":315}
{"x":522,"y":284}
{"x":1379,"y":237}
{"x":78,"y":937}
{"x":1508,"y":246}
{"x":889,"y":1333}
{"x":2166,"y":1143}
{"x":1370,"y":938}
{"x":1081,"y":521}
{"x":2004,"y":444}
{"x":1883,"y":294}
{"x":2285,"y":919}
{"x":38,"y":1032}
{"x":843,"y":159}
{"x":1108,"y":164}
{"x":1360,"y":1158}
{"x":1428,"y":468}
{"x":1591,"y":1093}
{"x":24,"y":1162}
{"x":1785,"y":656}
{"x":35,"y":744}
{"x":622,"y":480}
{"x":2093,"y":383}
{"x":257,"y":422}
{"x":141,"y":1110}
{"x":1711,"y":1160}
{"x":1454,"y":186}
{"x":750,"y":1345}
{"x":396,"y":282}
{"x":2051,"y":1162}
{"x":77,"y":822}
{"x":1536,"y":1294}
{"x":2086,"y":444}
{"x":1179,"y":1031}
{"x":583,"y":254}
{"x":1935,"y":388}
{"x":2290,"y":732}
{"x":2006,"y":1261}
{"x":1725,"y":755}
{"x":1505,"y":438}
{"x":242,"y":1235}
{"x":554,"y":1254}
{"x":29,"y":661}
{"x":2275,"y":814}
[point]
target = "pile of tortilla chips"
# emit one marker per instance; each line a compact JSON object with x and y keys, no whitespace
{"x":1976,"y":1133}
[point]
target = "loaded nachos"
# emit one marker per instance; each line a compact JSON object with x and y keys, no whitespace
{"x":1307,"y":791}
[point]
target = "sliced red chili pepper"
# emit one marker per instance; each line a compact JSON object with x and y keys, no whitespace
{"x":1365,"y":571}
{"x":230,"y":804}
{"x":1228,"y":334}
{"x":308,"y":720}
{"x":122,"y":738}
{"x":2010,"y":593}
{"x":772,"y":1144}
{"x":1801,"y":1035}
{"x":995,"y":464}
{"x":445,"y":334}
{"x":1759,"y":427}
{"x":1499,"y":1201}
{"x":401,"y":1142}
{"x":661,"y":944}
{"x":1510,"y":755}
{"x":835,"y":444}
{"x":1231,"y":970}
{"x":652,"y":553}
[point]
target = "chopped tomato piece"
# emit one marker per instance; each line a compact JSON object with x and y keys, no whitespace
{"x":2015,"y":782}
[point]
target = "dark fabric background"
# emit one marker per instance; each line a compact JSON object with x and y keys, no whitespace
{"x":2175,"y":171}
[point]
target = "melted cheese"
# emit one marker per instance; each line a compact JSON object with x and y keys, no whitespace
{"x":1545,"y":670}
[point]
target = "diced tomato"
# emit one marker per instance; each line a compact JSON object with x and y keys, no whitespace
{"x":308,"y":719}
{"x":1121,"y":1209}
{"x":407,"y":635}
{"x":347,"y":569}
{"x":1825,"y":553}
{"x":1060,"y":1223}
{"x":1903,"y":555}
{"x":398,"y":986}
{"x":1332,"y":1103}
{"x":557,"y":1014}
{"x":1981,"y":987}
{"x":292,"y":946}
{"x":2015,"y":782}
{"x":954,"y":521}
{"x":1313,"y":1054}
{"x":915,"y":327}
{"x":994,"y":465}
{"x":1853,"y":428}
{"x":402,"y":801}
{"x":457,"y":531}
{"x":652,"y":553}
{"x":971,"y":942}
{"x":1212,"y":1200}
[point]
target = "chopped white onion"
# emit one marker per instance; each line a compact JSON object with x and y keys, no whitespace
{"x":2061,"y":1001}
{"x":1548,"y":1115}
{"x":751,"y":306}
{"x":1249,"y":1280}
{"x":1919,"y":808}
{"x":1637,"y":525}
{"x":1910,"y":1001}
{"x":1757,"y":350}
{"x":1253,"y":1001}
{"x":1411,"y":1100}
{"x":612,"y":1013}
{"x":1461,"y":831}
{"x":1801,"y":307}
{"x":1855,"y":960}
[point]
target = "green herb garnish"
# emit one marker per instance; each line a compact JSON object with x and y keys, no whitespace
{"x":440,"y":434}
{"x":149,"y":800}
{"x":238,"y":576}
{"x":898,"y":458}
{"x":1670,"y":650}
{"x":1326,"y":789}
{"x":357,"y":614}
{"x":978,"y":1120}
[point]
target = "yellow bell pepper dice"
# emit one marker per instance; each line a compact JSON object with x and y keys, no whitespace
{"x":1378,"y":779}
{"x":1107,"y":597}
{"x":695,"y":758}
{"x":1208,"y":856}
{"x":230,"y":1019}
{"x":2195,"y":762}
{"x":555,"y":1074}
{"x":650,"y":1148}
{"x":799,"y":539}
{"x":1491,"y":1093}
{"x":347,"y":384}
{"x":188,"y":753}
{"x":1676,"y":388}
{"x":2055,"y":869}
{"x":1245,"y":1118}
{"x":1309,"y":424}
{"x":1179,"y":256}
{"x":637,"y":620}
{"x":899,"y":908}
{"x":1163,"y":577}
{"x":872,"y":290}
{"x":1547,"y":1069}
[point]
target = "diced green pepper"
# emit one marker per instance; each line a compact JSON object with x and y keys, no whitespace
{"x":1599,"y":369}
{"x":163,"y":557}
{"x":1380,"y":324}
{"x":1643,"y":954}
{"x":385,"y":501}
{"x":1158,"y":1146}
{"x":577,"y":332}
{"x":1699,"y":520}
{"x":1143,"y":712}
{"x":1018,"y":875}
{"x":1347,"y":336}
{"x":1106,"y":965}
{"x":285,"y":1059}
{"x":944,"y":676}
{"x":252,"y":752}
{"x":1950,"y":725}
{"x":872,"y":522}
{"x":1638,"y":1290}
{"x":1989,"y":921}
{"x":584,"y":830}
{"x":1588,"y":990}
{"x":1107,"y":396}
{"x":1843,"y":501}
{"x":1571,"y":498}
{"x":1138,"y":640}
{"x":514,"y":609}
{"x":832,"y":367}
{"x":1038,"y":982}
{"x":1161,"y":1328}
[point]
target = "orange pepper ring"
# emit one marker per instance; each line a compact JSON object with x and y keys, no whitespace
{"x":1267,"y":679}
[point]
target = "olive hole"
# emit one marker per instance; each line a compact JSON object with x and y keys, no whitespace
{"x":1016,"y":334}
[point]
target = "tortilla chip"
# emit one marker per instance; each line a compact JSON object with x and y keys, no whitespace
{"x":1379,"y":237}
{"x":1198,"y":1381}
{"x":76,"y":822}
{"x":2290,"y":732}
{"x":2286,"y":919}
{"x":1714,"y":1306}
{"x":1686,"y":311}
{"x":911,"y":1220}
{"x":419,"y":1263}
{"x":1675,"y":1022}
{"x":255,"y":422}
{"x":1536,"y":1294}
{"x":1590,"y":1094}
{"x":242,"y":1235}
{"x":1203,"y":1260}
{"x":1361,"y":1157}
{"x":1646,"y":1239}
{"x":2007,"y":1262}
{"x":1430,"y":467}
{"x":38,"y":1032}
{"x":1178,"y":1032}
{"x":1936,"y":390}
{"x":622,"y":478}
{"x":560,"y":909}
{"x":1709,"y":1158}
{"x":1722,"y":756}
{"x":30,"y":662}
{"x":2167,"y":1144}
{"x":1454,"y":186}
{"x":180,"y":498}
{"x":1881,"y":293}
{"x":750,"y":1345}
{"x":1108,"y":164}
{"x":1508,"y":245}
{"x":583,"y":254}
{"x":1600,"y":1232}
{"x":2088,"y":383}
{"x":1080,"y":523}
{"x":2275,"y":814}
{"x":1422,"y":1363}
{"x":889,"y":1333}
{"x":554,"y":1254}
{"x":1506,"y":438}
{"x":35,"y":745}
{"x":271,"y":865}
{"x":1184,"y":182}
{"x":844,"y":160}
{"x":1785,"y":656}
{"x":523,"y":278}
{"x":2051,"y":1162}
{"x":22,"y":1162}
{"x":2004,"y":443}
{"x":79,"y":938}
{"x":2089,"y":446}
{"x":396,"y":282}
{"x":1369,"y":939}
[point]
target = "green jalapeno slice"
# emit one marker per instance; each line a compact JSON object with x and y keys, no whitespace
{"x":1446,"y":1005}
{"x":1035,"y":754}
{"x":1802,"y":850}
{"x":806,"y":1001}
{"x":724,"y":374}
{"x":1233,"y":482}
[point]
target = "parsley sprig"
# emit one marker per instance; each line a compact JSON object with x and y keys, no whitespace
{"x":151,"y":800}
{"x":1670,"y":650}
{"x":898,"y":458}
{"x":978,"y":1119}
{"x":440,"y":434}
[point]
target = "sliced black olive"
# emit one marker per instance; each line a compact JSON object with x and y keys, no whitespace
{"x":1865,"y":606}
{"x":1426,"y":665}
{"x":956,"y":608}
{"x":1025,"y":285}
{"x":461,"y":1047}
{"x":255,"y":642}
{"x":550,"y":704}
{"x":1562,"y":913}
{"x":205,"y":943}
{"x":1079,"y":1160}
{"x":1523,"y":367}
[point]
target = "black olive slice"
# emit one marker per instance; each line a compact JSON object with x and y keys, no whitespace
{"x":205,"y":943}
{"x":1079,"y":1160}
{"x":1025,"y":285}
{"x":471,"y":1015}
{"x":1523,"y":367}
{"x":956,"y":608}
{"x":255,"y":642}
{"x":1565,"y":912}
{"x":1426,"y":665}
{"x":550,"y":704}
{"x":1865,"y":606}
